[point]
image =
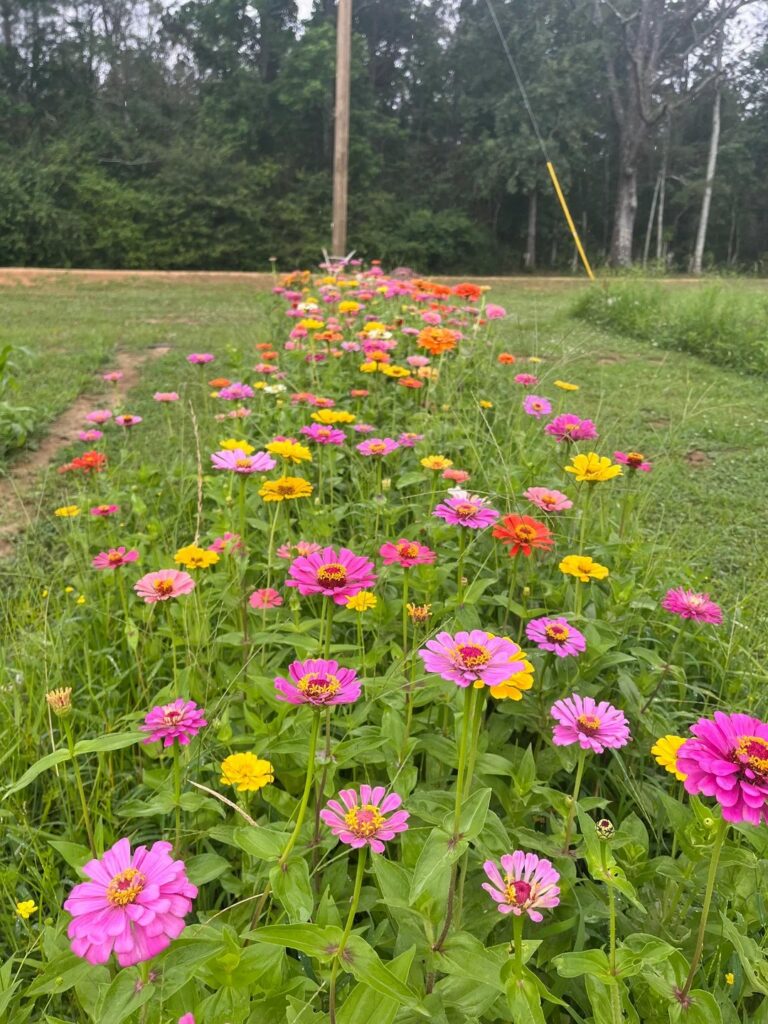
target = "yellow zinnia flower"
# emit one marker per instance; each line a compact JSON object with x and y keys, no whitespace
{"x":485,"y":404}
{"x":349,"y":306}
{"x":230,"y":444}
{"x":393,"y":370}
{"x":286,"y":488}
{"x":310,"y":324}
{"x":514,"y":687}
{"x":291,"y":451}
{"x":247,"y":772}
{"x":593,"y":468}
{"x":370,"y":367}
{"x":374,"y":325}
{"x":729,"y":978}
{"x":583,"y":568}
{"x":25,"y":908}
{"x":193,"y":557}
{"x":67,"y":511}
{"x":436,"y":462}
{"x":362,"y":601}
{"x":665,"y":751}
{"x":331,"y":416}
{"x":565,"y":386}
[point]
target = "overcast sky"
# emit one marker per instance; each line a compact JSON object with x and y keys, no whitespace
{"x":305,"y":6}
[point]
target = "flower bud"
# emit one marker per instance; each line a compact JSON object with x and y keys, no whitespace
{"x":60,"y":701}
{"x":605,"y":830}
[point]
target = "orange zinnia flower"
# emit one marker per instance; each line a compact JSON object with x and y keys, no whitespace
{"x":472,"y":292}
{"x":219,"y":382}
{"x":506,"y":358}
{"x":410,"y":382}
{"x":522,"y":533}
{"x":437,"y":340}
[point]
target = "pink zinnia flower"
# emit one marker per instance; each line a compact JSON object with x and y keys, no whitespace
{"x":237,"y":461}
{"x":135,"y":904}
{"x":90,"y":435}
{"x":104,"y":510}
{"x":198,"y":358}
{"x":568,"y":427}
{"x":635,"y":461}
{"x":113,"y":376}
{"x":456,"y":476}
{"x":548,"y":499}
{"x":160,"y":586}
{"x":690,"y":605}
{"x":593,"y":726}
{"x":418,"y":360}
{"x":236,"y":392}
{"x":528,"y":882}
{"x":267,"y":597}
{"x":526,"y":379}
{"x":467,"y":658}
{"x":409,"y":440}
{"x":227,"y":543}
{"x":556,"y":635}
{"x":363,"y":428}
{"x":114,"y":558}
{"x":537,"y":406}
{"x":360,"y":820}
{"x":166,"y":396}
{"x":318,"y":682}
{"x":302,"y":547}
{"x":180,"y":720}
{"x":99,"y":416}
{"x":728,"y":759}
{"x":470,"y":511}
{"x":188,"y":1018}
{"x":337,"y":575}
{"x":493,"y":312}
{"x":127,"y":420}
{"x":406,"y":553}
{"x":321,"y":434}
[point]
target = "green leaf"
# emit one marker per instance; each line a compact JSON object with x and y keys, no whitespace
{"x":588,"y":961}
{"x":703,"y":1009}
{"x":264,"y":843}
{"x":59,"y":975}
{"x":112,"y":741}
{"x":365,"y":1004}
{"x":474,"y":811}
{"x":362,"y":961}
{"x":54,"y":758}
{"x":122,"y":998}
{"x":293,"y":889}
{"x":524,"y":1002}
{"x":307,"y":938}
{"x":438,"y":853}
{"x":205,"y":867}
{"x":72,"y":853}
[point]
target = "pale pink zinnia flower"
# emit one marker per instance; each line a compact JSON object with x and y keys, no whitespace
{"x":468,"y":510}
{"x":302,"y":547}
{"x":338,"y":575}
{"x":188,"y":1018}
{"x":90,"y":435}
{"x":160,"y":586}
{"x":135,"y":904}
{"x":266,"y":597}
{"x":690,"y":605}
{"x":114,"y":558}
{"x":199,"y":358}
{"x":728,"y":759}
{"x":166,"y":396}
{"x":319,"y":682}
{"x":526,"y":379}
{"x":237,"y":461}
{"x":528,"y":882}
{"x":113,"y":376}
{"x":593,"y":726}
{"x":127,"y":420}
{"x":227,"y":543}
{"x":535,"y":405}
{"x":406,"y":553}
{"x":360,"y":820}
{"x":494,"y":312}
{"x":548,"y":499}
{"x":99,"y":416}
{"x":409,"y":440}
{"x":180,"y":720}
{"x":104,"y":510}
{"x":456,"y":476}
{"x":472,"y":657}
{"x":363,"y":428}
{"x":236,"y":392}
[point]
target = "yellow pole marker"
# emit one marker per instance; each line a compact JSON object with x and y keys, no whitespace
{"x":569,"y":218}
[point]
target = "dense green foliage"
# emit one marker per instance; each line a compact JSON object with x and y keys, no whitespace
{"x":144,"y":134}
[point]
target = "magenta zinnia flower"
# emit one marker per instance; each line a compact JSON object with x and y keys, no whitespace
{"x":104,"y":510}
{"x":236,"y":392}
{"x":236,"y":461}
{"x":160,"y":586}
{"x":127,"y":420}
{"x":318,"y":682}
{"x":359,"y":820}
{"x":198,"y":358}
{"x":728,"y":759}
{"x":322,"y":434}
{"x":528,"y":882}
{"x":90,"y":435}
{"x":267,"y":597}
{"x":690,"y":605}
{"x":406,"y":553}
{"x":409,"y":440}
{"x":472,"y":657}
{"x":377,"y":446}
{"x":556,"y":635}
{"x":113,"y":558}
{"x":548,"y":499}
{"x":469,"y":510}
{"x":99,"y":416}
{"x":593,"y":726}
{"x":526,"y":379}
{"x":568,"y":427}
{"x":135,"y":904}
{"x":180,"y":720}
{"x":166,"y":396}
{"x":337,"y":575}
{"x":537,"y":406}
{"x":635,"y":461}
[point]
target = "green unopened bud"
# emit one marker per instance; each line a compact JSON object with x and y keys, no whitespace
{"x":605,"y":830}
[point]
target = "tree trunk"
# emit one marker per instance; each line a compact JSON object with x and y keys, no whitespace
{"x":624,"y":210}
{"x":706,"y":199}
{"x":651,"y":215}
{"x":529,"y":257}
{"x":662,"y":197}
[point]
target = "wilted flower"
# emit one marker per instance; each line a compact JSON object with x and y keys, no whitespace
{"x":60,"y":701}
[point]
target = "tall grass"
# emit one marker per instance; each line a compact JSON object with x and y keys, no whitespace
{"x":725,"y":325}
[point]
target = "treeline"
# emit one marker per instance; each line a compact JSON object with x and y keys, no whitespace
{"x":135,"y":133}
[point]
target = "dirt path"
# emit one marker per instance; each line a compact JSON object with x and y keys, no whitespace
{"x":19,"y":502}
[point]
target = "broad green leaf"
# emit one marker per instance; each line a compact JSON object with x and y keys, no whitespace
{"x":437,"y":854}
{"x":124,"y":997}
{"x":205,"y":867}
{"x":361,"y":960}
{"x":46,"y":762}
{"x":59,"y":975}
{"x":307,"y":938}
{"x":112,"y":741}
{"x":524,"y":1002}
{"x":72,"y":853}
{"x":588,"y":961}
{"x":293,"y":889}
{"x":365,"y":1004}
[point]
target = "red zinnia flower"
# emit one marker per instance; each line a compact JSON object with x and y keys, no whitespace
{"x":522,"y":533}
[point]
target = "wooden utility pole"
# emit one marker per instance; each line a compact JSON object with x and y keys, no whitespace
{"x":341,"y":126}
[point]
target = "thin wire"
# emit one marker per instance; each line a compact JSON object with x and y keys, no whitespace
{"x":518,"y":79}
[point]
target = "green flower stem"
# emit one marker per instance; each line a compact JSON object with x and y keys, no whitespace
{"x":667,"y":666}
{"x":627,"y":504}
{"x":460,"y":565}
{"x":241,"y":506}
{"x":329,"y":627}
{"x":717,"y":848}
{"x":578,"y":597}
{"x":518,"y":920}
{"x":79,"y":782}
{"x":405,"y":612}
{"x":271,"y":543}
{"x":615,"y":997}
{"x":512,"y":588}
{"x":466,"y":726}
{"x":361,"y":858}
{"x":307,"y":789}
{"x":177,"y":794}
{"x":477,"y":722}
{"x":574,"y":798}
{"x":584,"y":518}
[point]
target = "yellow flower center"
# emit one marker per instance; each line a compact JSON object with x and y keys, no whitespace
{"x":317,"y":686}
{"x":377,"y":448}
{"x":125,"y":887}
{"x":172,"y":715}
{"x":635,"y":459}
{"x":465,"y":511}
{"x":524,"y":532}
{"x":472,"y":656}
{"x":588,"y":724}
{"x":518,"y":892}
{"x":752,"y":752}
{"x":364,"y":821}
{"x":556,"y":634}
{"x":163,"y":587}
{"x":408,"y":550}
{"x":243,"y":463}
{"x":332,"y":575}
{"x":288,"y":490}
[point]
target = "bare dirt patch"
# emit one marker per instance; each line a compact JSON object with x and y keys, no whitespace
{"x":699,"y":459}
{"x":16,"y":489}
